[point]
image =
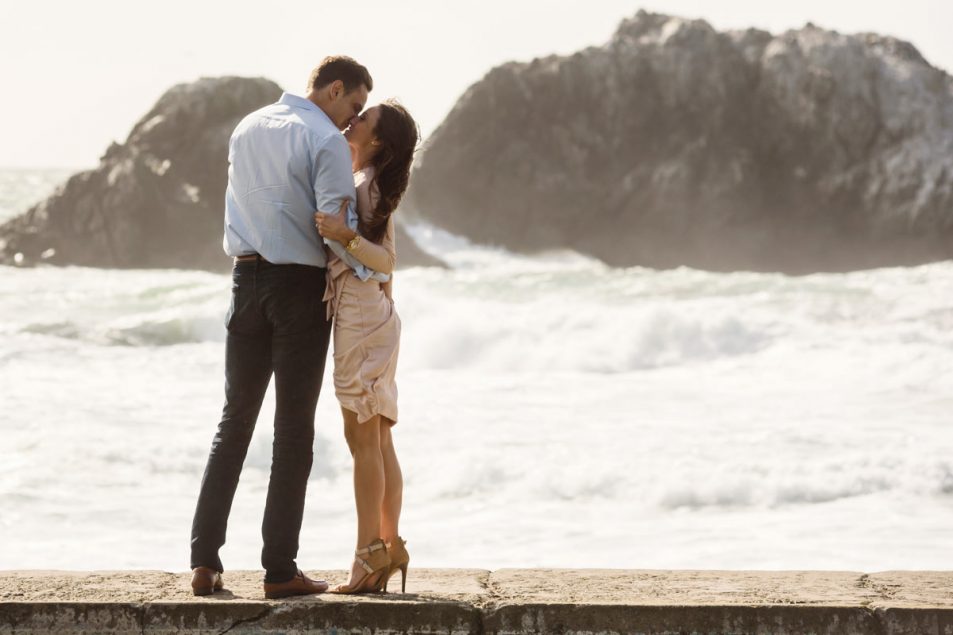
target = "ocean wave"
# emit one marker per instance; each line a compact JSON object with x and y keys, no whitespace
{"x":136,"y":330}
{"x":165,"y":331}
{"x":497,"y":311}
{"x":563,"y":335}
{"x":114,"y":307}
{"x":658,"y":487}
{"x":714,"y":485}
{"x":791,"y":484}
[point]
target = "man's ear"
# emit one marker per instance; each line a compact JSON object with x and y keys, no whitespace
{"x":337,"y":88}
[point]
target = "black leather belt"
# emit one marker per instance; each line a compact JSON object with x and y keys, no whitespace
{"x":250,"y":257}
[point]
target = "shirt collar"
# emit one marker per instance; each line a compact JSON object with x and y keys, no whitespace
{"x":300,"y":102}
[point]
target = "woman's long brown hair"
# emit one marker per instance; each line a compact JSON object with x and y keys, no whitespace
{"x":398,"y":134}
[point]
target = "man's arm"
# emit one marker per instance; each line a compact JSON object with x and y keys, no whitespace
{"x":333,"y":183}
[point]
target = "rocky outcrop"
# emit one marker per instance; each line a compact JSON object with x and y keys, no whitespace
{"x":675,"y":144}
{"x":157,"y":199}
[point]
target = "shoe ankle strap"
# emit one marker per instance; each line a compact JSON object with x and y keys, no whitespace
{"x":374,"y":546}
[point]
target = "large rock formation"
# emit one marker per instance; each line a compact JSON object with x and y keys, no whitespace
{"x":675,"y":144}
{"x":156,"y":200}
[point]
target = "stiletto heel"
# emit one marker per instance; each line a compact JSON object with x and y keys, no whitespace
{"x":403,"y":578}
{"x":399,"y":560}
{"x":376,"y":566}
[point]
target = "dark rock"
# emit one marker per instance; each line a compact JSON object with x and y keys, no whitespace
{"x":675,"y":144}
{"x":157,"y":199}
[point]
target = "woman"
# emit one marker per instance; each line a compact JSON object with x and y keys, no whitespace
{"x":366,"y":338}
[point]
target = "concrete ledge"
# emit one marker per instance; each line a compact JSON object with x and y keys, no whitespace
{"x":479,"y":601}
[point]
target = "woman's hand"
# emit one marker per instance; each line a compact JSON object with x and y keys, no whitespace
{"x":333,"y":226}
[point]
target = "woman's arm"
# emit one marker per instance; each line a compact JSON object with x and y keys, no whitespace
{"x":390,"y":240}
{"x":382,"y":257}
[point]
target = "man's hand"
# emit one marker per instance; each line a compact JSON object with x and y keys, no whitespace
{"x":334,"y":226}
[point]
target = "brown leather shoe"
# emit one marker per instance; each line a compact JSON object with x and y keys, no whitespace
{"x":298,"y":585}
{"x":206,"y":581}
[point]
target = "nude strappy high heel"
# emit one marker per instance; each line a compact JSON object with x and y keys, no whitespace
{"x":376,"y":566}
{"x":399,"y":560}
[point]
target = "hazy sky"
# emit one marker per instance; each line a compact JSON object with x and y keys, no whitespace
{"x":78,"y":75}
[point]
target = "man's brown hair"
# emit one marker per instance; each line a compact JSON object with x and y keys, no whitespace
{"x":340,"y":67}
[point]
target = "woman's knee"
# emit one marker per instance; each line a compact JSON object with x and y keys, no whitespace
{"x":387,"y":440}
{"x":362,"y":436}
{"x":349,"y":440}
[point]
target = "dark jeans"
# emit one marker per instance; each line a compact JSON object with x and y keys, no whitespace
{"x":276,"y":324}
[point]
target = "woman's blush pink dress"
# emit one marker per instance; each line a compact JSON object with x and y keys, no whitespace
{"x":366,"y":324}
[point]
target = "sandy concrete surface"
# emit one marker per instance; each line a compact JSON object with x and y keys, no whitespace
{"x":482,"y":601}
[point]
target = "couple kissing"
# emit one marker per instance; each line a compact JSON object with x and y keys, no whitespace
{"x":309,"y":223}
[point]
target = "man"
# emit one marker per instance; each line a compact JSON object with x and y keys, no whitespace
{"x":286,"y":160}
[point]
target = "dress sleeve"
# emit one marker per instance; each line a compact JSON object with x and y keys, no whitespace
{"x":383,"y":257}
{"x":390,"y":243}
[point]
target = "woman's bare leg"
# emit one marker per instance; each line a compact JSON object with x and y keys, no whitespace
{"x":393,"y":484}
{"x":363,"y":439}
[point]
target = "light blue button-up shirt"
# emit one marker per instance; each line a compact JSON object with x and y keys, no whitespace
{"x":287,"y":160}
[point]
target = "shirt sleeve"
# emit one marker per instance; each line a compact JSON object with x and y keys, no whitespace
{"x":334,"y":183}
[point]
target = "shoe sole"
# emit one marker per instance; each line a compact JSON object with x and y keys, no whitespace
{"x":362,"y":591}
{"x":277,"y":595}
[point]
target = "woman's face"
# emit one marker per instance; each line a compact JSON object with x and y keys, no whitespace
{"x":360,"y":132}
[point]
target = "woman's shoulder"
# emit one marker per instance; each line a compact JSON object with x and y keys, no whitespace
{"x":364,"y":180}
{"x":364,"y":176}
{"x":367,"y":191}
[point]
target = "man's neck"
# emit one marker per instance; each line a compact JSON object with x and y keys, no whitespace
{"x":317,"y":101}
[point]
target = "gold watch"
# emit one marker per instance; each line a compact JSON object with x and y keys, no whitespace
{"x":352,"y":244}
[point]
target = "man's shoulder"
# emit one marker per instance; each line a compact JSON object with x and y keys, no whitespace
{"x":277,"y":122}
{"x":253,"y":120}
{"x":264,"y":111}
{"x":288,"y":119}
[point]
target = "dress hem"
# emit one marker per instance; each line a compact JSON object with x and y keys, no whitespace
{"x":392,"y":420}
